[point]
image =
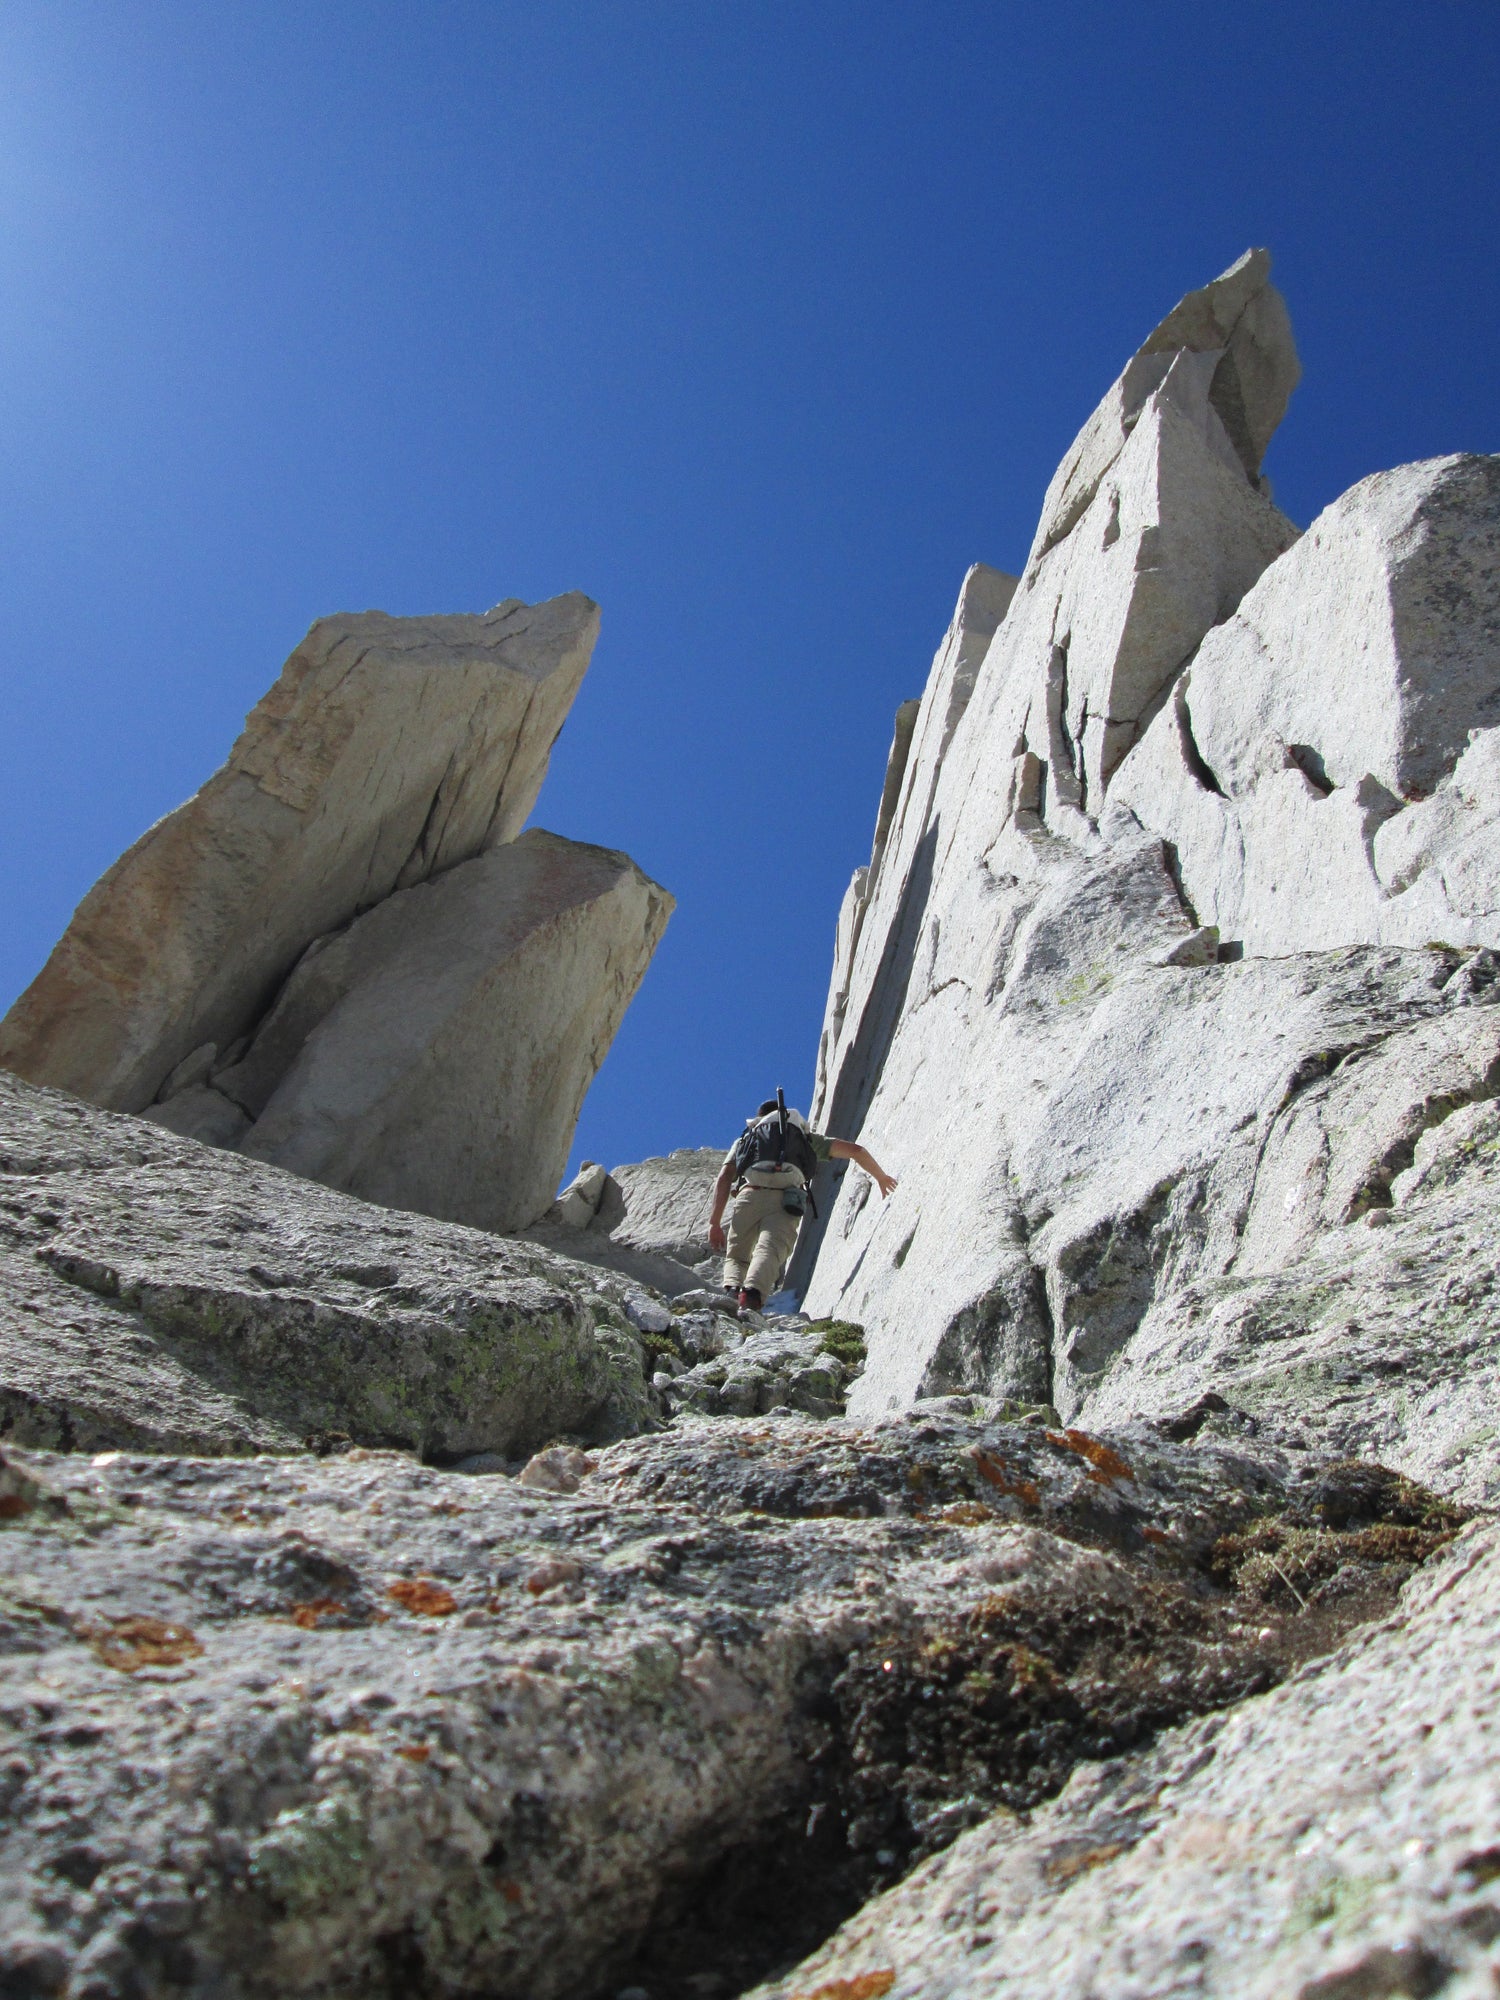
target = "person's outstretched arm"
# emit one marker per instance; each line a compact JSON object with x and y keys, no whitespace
{"x":716,"y":1237}
{"x":845,"y":1149}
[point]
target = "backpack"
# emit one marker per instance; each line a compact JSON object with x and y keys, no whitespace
{"x":775,"y":1141}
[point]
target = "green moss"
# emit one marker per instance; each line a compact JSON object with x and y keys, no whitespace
{"x":461,"y":1924}
{"x":842,"y":1339}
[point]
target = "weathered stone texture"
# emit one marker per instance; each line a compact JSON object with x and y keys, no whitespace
{"x":648,"y":1220}
{"x":160,"y":1295}
{"x":279,"y":1727}
{"x":1332,"y":1839}
{"x":1133,"y":1034}
{"x":1325,"y":770}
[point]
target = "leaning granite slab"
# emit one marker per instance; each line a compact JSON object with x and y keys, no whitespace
{"x":435,"y":1054}
{"x":342,"y":1725}
{"x":648,"y":1220}
{"x":1332,"y":1840}
{"x":389,"y":750}
{"x":162,"y":1295}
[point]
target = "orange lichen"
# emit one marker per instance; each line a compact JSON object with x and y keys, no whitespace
{"x":1108,"y":1466}
{"x":128,"y":1644}
{"x":964,"y":1514}
{"x":862,"y":1986}
{"x":414,"y":1753}
{"x":421,"y":1595}
{"x":1000,"y":1475}
{"x":307,"y":1615}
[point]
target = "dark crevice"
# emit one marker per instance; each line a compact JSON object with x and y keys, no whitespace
{"x":862,"y":1068}
{"x":1066,"y":753}
{"x":929,"y":1728}
{"x":1173,"y":860}
{"x":1192,"y":756}
{"x":1302,"y":757}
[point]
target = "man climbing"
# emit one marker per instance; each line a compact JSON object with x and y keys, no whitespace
{"x":768,"y":1171}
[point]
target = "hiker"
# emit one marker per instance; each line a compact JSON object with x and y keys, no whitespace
{"x":768,"y":1171}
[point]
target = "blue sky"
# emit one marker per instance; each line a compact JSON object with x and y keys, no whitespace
{"x":757,"y":322}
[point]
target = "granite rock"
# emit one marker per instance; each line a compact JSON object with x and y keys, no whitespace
{"x":389,"y":750}
{"x":1121,"y":1103}
{"x":647,"y":1221}
{"x":1331,"y":1839}
{"x":434,"y":1055}
{"x":354,"y":1724}
{"x":161,"y":1295}
{"x":1326,"y":768}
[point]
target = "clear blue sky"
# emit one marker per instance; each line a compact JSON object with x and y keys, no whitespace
{"x":757,"y":322}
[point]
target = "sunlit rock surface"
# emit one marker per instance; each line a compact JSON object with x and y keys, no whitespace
{"x":160,"y":1295}
{"x":1176,"y":949}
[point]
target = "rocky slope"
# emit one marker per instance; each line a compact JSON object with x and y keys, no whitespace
{"x":1132,"y":1632}
{"x":159,"y":1294}
{"x":359,"y":1726}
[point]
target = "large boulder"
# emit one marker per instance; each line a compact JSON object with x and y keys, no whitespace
{"x":389,"y":750}
{"x":648,"y":1220}
{"x":435,"y":1054}
{"x":161,"y":1295}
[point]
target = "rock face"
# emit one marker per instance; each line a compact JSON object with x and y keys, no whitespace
{"x":356,"y":1725}
{"x":648,"y":1221}
{"x":1328,"y":769}
{"x":1149,"y":1045}
{"x":389,"y":750}
{"x":165,"y":1297}
{"x":900,"y":827}
{"x":338,"y":957}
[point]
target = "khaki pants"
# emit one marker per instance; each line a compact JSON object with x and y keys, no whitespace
{"x":762,"y":1237}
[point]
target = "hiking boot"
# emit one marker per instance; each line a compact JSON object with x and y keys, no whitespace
{"x":749,"y":1301}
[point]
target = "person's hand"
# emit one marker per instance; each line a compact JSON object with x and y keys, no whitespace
{"x":717,"y":1240}
{"x":885,"y":1182}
